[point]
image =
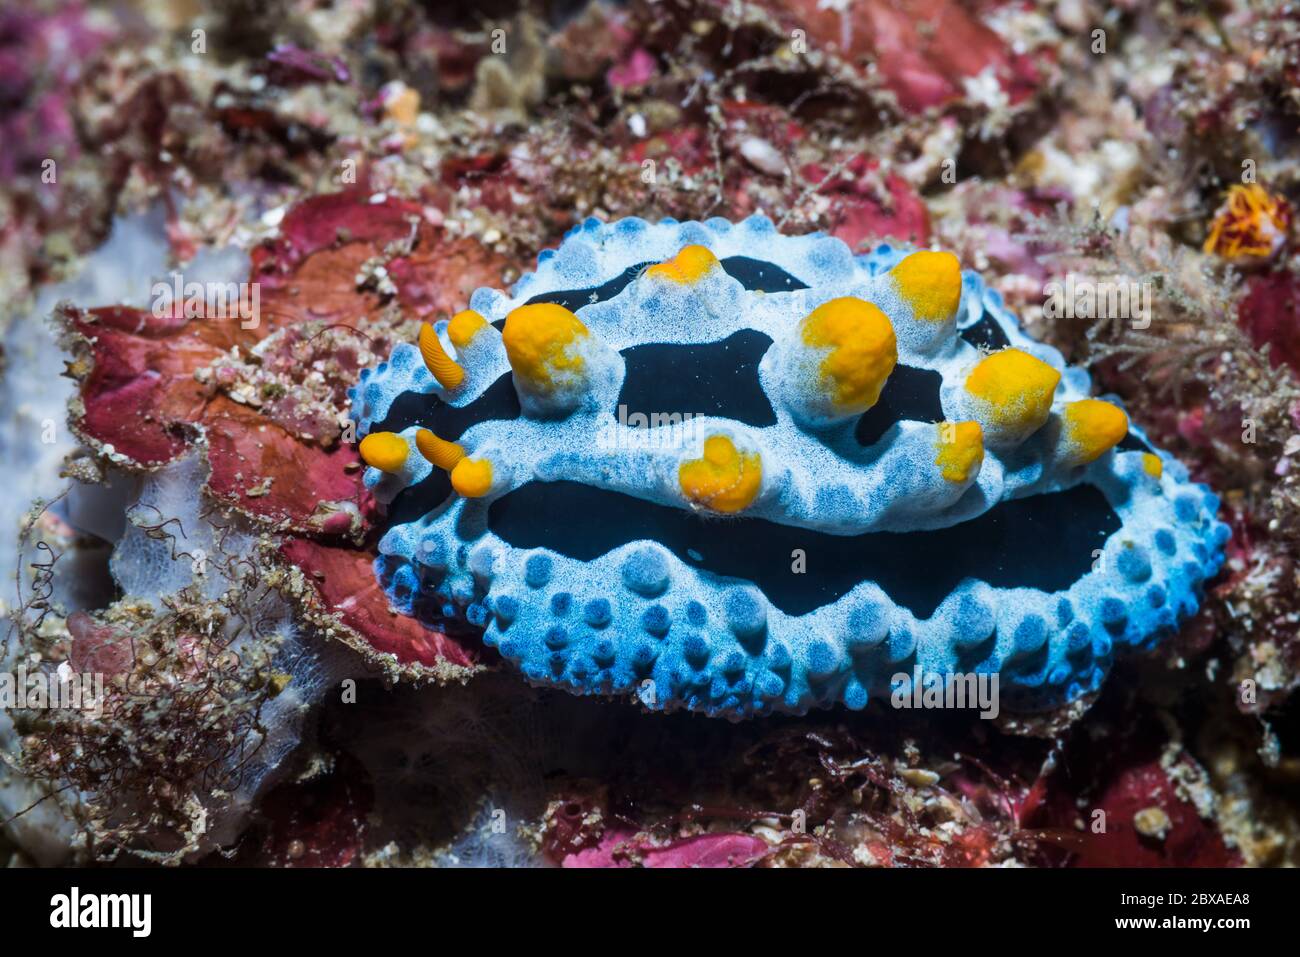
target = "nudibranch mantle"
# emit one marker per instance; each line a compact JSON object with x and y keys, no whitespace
{"x":739,"y":472}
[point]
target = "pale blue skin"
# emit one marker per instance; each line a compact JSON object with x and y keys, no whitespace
{"x":639,"y":620}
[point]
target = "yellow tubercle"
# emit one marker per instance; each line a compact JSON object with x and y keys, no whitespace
{"x":690,"y":265}
{"x":959,"y":450}
{"x":443,"y":368}
{"x":464,"y":326}
{"x":386,"y":451}
{"x":1015,"y":388}
{"x":538,"y":340}
{"x":1092,"y":427}
{"x":930,"y":282}
{"x":445,"y":455}
{"x":472,"y":478}
{"x":1152,"y":465}
{"x":724,"y":479}
{"x":863,"y":350}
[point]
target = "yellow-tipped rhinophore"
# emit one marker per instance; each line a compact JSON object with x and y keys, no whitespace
{"x":442,"y":366}
{"x":959,"y":450}
{"x":464,"y":326}
{"x":386,"y":451}
{"x":725,"y":480}
{"x":1012,"y":392}
{"x":1092,"y":427}
{"x":690,"y":265}
{"x":472,"y":478}
{"x":1152,"y":465}
{"x":929,"y":282}
{"x":539,"y":340}
{"x":445,"y":455}
{"x":862,"y":351}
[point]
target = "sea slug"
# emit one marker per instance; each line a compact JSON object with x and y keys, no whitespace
{"x":739,"y":472}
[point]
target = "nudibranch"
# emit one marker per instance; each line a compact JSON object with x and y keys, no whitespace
{"x":738,"y":472}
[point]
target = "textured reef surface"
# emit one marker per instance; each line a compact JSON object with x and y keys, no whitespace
{"x":179,"y":485}
{"x":740,"y":472}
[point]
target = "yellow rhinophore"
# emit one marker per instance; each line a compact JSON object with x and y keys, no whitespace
{"x":1092,"y":427}
{"x":443,"y":368}
{"x":386,"y":451}
{"x":539,"y":341}
{"x":464,"y":326}
{"x":472,"y":478}
{"x":863,"y":351}
{"x":691,"y":264}
{"x":959,"y":450}
{"x":1152,"y":465}
{"x":724,"y":480}
{"x":445,"y":455}
{"x":1015,"y":390}
{"x":929,"y":282}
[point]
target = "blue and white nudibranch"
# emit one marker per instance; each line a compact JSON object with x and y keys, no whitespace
{"x":741,"y":473}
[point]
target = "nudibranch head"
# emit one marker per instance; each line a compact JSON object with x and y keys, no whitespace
{"x":738,"y":472}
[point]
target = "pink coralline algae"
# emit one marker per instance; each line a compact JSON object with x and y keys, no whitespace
{"x":152,"y":387}
{"x":924,"y":51}
{"x":1270,"y":313}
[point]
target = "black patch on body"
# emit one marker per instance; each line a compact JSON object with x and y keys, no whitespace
{"x":713,"y":378}
{"x":909,"y":393}
{"x":753,"y":274}
{"x":499,"y":401}
{"x":1131,"y":443}
{"x":986,"y":334}
{"x":1044,"y":541}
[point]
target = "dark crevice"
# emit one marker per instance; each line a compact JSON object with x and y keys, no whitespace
{"x":986,"y":334}
{"x":1131,"y":443}
{"x":1044,"y":542}
{"x":909,"y":393}
{"x":499,"y":401}
{"x":574,"y":299}
{"x":754,"y":274}
{"x":416,"y":501}
{"x":714,"y":378}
